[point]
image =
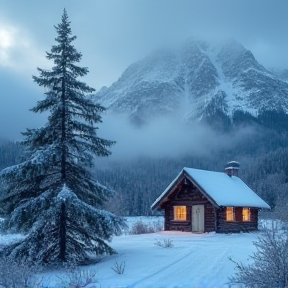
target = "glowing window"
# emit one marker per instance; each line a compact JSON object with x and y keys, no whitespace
{"x":179,"y":212}
{"x":230,"y":215}
{"x":246,"y":214}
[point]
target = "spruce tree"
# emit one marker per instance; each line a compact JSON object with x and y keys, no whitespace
{"x":52,"y":196}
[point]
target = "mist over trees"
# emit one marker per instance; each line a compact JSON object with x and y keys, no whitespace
{"x":263,"y":154}
{"x":258,"y":144}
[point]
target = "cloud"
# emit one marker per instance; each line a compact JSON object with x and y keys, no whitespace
{"x":18,"y":51}
{"x":113,"y":34}
{"x":17,"y":96}
{"x":165,"y":137}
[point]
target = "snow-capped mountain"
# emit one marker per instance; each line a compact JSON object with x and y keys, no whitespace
{"x":196,"y":80}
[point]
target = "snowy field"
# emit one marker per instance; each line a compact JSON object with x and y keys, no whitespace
{"x":195,"y":260}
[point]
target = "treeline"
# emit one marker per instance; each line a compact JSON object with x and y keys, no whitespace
{"x":276,"y":120}
{"x":264,"y":167}
{"x":10,"y":153}
{"x":263,"y":157}
{"x":139,"y":182}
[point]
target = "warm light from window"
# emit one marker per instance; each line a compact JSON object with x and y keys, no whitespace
{"x":246,"y":214}
{"x":230,"y":216}
{"x":179,"y":212}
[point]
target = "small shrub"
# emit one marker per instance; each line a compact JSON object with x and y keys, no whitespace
{"x":17,"y":275}
{"x":78,"y":278}
{"x":158,"y":225}
{"x":270,"y":262}
{"x":140,"y":227}
{"x":165,"y":243}
{"x":119,"y":268}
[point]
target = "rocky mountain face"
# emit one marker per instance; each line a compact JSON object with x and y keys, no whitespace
{"x":198,"y":80}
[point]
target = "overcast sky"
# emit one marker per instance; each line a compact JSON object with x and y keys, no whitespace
{"x":113,"y":34}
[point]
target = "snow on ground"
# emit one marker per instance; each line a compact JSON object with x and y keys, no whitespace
{"x":195,"y":260}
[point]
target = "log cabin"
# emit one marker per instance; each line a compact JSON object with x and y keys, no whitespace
{"x":204,"y":201}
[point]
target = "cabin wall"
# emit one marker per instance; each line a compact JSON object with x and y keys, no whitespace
{"x":238,"y":225}
{"x":188,"y":195}
{"x":171,"y":224}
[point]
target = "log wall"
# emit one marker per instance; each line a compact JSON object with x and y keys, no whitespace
{"x":188,"y":195}
{"x":238,"y":225}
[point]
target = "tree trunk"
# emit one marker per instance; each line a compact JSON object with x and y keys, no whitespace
{"x":63,"y":136}
{"x":62,"y":240}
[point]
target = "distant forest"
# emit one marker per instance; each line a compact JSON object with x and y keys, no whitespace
{"x":10,"y":153}
{"x":139,"y":181}
{"x":263,"y":157}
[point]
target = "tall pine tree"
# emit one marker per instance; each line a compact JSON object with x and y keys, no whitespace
{"x":53,"y":197}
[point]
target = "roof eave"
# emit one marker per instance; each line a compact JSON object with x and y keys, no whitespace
{"x":170,"y":187}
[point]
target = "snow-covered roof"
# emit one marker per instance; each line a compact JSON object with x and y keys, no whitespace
{"x":222,"y":189}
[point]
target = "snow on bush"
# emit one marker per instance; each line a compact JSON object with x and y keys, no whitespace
{"x":165,"y":243}
{"x":144,"y":225}
{"x":270,"y":262}
{"x":17,"y":275}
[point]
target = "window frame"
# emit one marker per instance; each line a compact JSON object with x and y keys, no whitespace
{"x":228,"y":213}
{"x":182,"y":214}
{"x":249,"y":214}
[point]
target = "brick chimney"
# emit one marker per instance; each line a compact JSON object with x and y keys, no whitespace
{"x":232,"y":168}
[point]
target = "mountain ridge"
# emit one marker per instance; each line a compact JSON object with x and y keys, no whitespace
{"x":198,"y":79}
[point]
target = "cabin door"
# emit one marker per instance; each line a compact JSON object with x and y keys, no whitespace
{"x":198,"y":218}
